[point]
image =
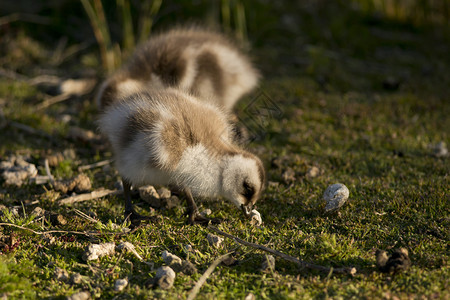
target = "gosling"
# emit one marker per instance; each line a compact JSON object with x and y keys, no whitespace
{"x":201,"y":62}
{"x":168,"y":137}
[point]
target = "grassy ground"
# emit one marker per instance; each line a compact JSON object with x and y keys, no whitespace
{"x":361,"y":97}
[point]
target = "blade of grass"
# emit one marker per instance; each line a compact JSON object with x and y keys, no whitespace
{"x":127,"y":24}
{"x":149,"y":10}
{"x":226,"y":15}
{"x":97,"y":18}
{"x":241,"y":22}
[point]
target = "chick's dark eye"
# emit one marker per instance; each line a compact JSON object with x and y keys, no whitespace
{"x":249,"y":191}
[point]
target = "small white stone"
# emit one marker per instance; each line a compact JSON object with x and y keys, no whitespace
{"x":206,"y":212}
{"x":439,"y":149}
{"x":95,"y":251}
{"x":77,"y":86}
{"x":171,"y":260}
{"x":148,"y":194}
{"x":313,"y":172}
{"x":255,"y":218}
{"x":268,"y":263}
{"x":84,"y":295}
{"x":61,"y":274}
{"x":16,"y":171}
{"x":130,"y":247}
{"x":164,"y":193}
{"x":76,"y":278}
{"x":165,"y":277}
{"x":120,"y":284}
{"x":250,"y":296}
{"x":335,"y":196}
{"x":214,"y":240}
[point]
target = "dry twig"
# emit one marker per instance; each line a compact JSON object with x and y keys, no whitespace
{"x":29,"y":129}
{"x":86,"y":233}
{"x":88,"y":196}
{"x":95,"y":165}
{"x":193,"y":293}
{"x":49,"y":174}
{"x":56,"y":231}
{"x":303,"y":264}
{"x":52,"y":100}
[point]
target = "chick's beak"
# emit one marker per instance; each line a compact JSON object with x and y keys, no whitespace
{"x":247,"y":210}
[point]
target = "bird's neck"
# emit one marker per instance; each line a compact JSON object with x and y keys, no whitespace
{"x":200,"y":171}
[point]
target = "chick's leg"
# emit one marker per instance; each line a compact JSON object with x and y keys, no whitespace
{"x":194,"y":216}
{"x":130,"y":213}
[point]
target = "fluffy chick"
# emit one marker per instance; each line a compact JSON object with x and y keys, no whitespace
{"x":167,"y":137}
{"x":201,"y":62}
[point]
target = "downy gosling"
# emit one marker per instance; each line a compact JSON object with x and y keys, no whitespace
{"x":168,"y":137}
{"x":204,"y":63}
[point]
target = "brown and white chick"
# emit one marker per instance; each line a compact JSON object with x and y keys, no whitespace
{"x":168,"y":137}
{"x":201,"y":62}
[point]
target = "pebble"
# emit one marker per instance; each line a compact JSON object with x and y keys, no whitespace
{"x":80,"y":184}
{"x":171,"y":202}
{"x":83,"y":135}
{"x":439,"y":149}
{"x":288,"y":175}
{"x":48,"y":238}
{"x":75,"y":278}
{"x":130,"y":247}
{"x":255,"y":218}
{"x":61,"y":274}
{"x":120,"y":284}
{"x":250,"y":296}
{"x":313,"y":172}
{"x":57,"y":219}
{"x":150,"y":195}
{"x":273,"y":184}
{"x":16,"y":171}
{"x":77,"y":87}
{"x":214,"y":240}
{"x":268,"y":263}
{"x":165,"y":277}
{"x":164,"y":193}
{"x":335,"y":196}
{"x":37,"y":212}
{"x":84,"y":295}
{"x":188,"y":248}
{"x":94,"y":251}
{"x":206,"y":212}
{"x":188,"y":268}
{"x":172,"y":260}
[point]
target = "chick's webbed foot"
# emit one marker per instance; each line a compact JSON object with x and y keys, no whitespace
{"x":197,"y":218}
{"x":136,"y":218}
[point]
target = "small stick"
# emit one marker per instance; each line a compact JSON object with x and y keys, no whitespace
{"x":10,"y":73}
{"x":49,"y":174}
{"x":193,"y":293}
{"x":54,"y":231}
{"x":304,"y":264}
{"x":95,"y":165}
{"x":86,"y":233}
{"x":55,"y":99}
{"x":29,"y":129}
{"x":83,"y":215}
{"x":88,"y":196}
